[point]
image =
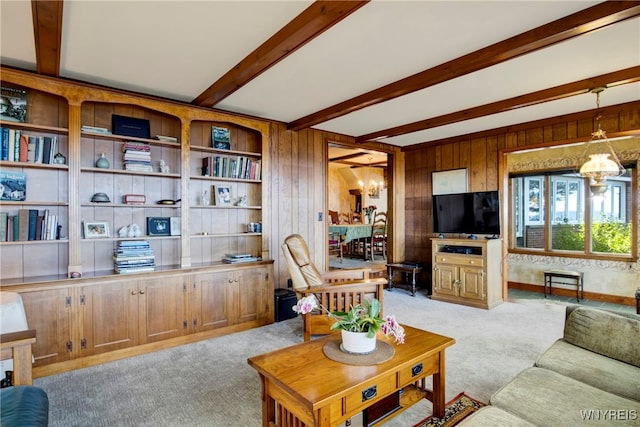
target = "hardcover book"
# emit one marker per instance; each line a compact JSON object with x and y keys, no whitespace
{"x":14,"y":104}
{"x":13,"y":186}
{"x":220,"y":138}
{"x":131,"y":126}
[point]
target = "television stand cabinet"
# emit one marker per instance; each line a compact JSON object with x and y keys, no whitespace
{"x":467,"y":272}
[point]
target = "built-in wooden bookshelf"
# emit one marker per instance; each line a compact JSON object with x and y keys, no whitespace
{"x":83,"y":311}
{"x":208,"y":230}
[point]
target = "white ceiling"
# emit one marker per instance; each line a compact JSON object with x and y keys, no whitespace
{"x":177,"y":49}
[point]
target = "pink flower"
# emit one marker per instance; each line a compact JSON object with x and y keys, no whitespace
{"x":306,"y":305}
{"x":391,"y":327}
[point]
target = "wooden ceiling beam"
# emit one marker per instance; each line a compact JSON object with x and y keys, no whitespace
{"x":521,"y":127}
{"x":47,"y":31}
{"x":579,"y":23}
{"x":629,"y":75}
{"x":312,"y":22}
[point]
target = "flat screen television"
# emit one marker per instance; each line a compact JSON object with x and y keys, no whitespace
{"x":467,"y":213}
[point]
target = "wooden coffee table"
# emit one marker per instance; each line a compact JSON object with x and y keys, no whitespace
{"x":301,"y":386}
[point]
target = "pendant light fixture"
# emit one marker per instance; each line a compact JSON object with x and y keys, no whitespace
{"x":603,"y":162}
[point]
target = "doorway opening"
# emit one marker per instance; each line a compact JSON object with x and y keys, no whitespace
{"x":357,"y":184}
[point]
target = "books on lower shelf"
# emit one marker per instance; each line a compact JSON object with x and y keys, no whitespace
{"x":133,"y":256}
{"x":29,"y":224}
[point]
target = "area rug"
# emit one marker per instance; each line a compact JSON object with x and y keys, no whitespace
{"x":459,"y":408}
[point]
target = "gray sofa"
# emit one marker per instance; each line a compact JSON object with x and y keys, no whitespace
{"x":590,"y":376}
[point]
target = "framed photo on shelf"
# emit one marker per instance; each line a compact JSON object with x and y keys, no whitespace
{"x":158,"y":226}
{"x":96,"y":229}
{"x":223,"y":195}
{"x":220,"y":138}
{"x":13,"y":186}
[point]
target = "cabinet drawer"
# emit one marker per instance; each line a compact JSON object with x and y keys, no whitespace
{"x":418,"y":370}
{"x":370,"y":393}
{"x":459,"y":260}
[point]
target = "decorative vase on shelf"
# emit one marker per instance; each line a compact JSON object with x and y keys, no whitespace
{"x":357,"y":342}
{"x":103,"y":162}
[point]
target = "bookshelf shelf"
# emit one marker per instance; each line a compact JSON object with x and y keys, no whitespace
{"x":226,"y":152}
{"x":33,"y":127}
{"x":124,"y":138}
{"x":7,"y":163}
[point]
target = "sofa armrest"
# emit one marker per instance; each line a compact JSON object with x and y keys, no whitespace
{"x":17,"y":345}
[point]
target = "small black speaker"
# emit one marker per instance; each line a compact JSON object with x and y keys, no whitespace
{"x":284,"y":300}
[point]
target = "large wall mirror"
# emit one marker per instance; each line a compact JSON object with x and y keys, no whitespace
{"x":357,"y":180}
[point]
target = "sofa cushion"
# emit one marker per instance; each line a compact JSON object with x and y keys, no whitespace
{"x":544,"y":397}
{"x":605,"y":333}
{"x":490,"y":416}
{"x":591,"y":368}
{"x":24,"y":405}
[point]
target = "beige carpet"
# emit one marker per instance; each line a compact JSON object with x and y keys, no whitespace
{"x":209,"y":383}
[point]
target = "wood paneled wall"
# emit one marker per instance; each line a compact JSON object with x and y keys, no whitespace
{"x":298,"y":192}
{"x":480,"y":154}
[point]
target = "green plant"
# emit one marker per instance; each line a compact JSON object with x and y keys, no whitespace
{"x":608,"y":236}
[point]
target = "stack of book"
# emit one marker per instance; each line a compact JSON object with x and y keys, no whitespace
{"x":133,"y":256}
{"x":137,"y":156}
{"x":95,"y":129}
{"x":238,"y":258}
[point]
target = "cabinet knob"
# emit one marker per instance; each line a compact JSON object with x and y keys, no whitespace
{"x":134,"y":293}
{"x":141,"y":291}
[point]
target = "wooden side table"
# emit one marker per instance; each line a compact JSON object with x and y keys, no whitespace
{"x":406,"y":270}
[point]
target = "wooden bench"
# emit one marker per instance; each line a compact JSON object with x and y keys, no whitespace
{"x":564,"y":277}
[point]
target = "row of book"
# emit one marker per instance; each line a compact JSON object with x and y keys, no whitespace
{"x":133,"y":256}
{"x":29,"y":224}
{"x":137,"y":156}
{"x":17,"y":146}
{"x":236,"y":167}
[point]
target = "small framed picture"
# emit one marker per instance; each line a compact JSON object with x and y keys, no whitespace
{"x":223,"y":195}
{"x":96,"y":229}
{"x":158,"y":226}
{"x":220,"y":138}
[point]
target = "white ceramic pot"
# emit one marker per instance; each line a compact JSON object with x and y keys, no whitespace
{"x":357,"y":342}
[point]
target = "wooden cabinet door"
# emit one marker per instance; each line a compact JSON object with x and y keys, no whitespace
{"x":472,"y":283}
{"x":109,"y":314}
{"x":49,"y":313}
{"x":445,"y":279}
{"x":210,"y":301}
{"x":161,"y":308}
{"x":250,"y":294}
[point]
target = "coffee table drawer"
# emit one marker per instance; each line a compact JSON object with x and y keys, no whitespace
{"x":370,"y":392}
{"x":418,"y":370}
